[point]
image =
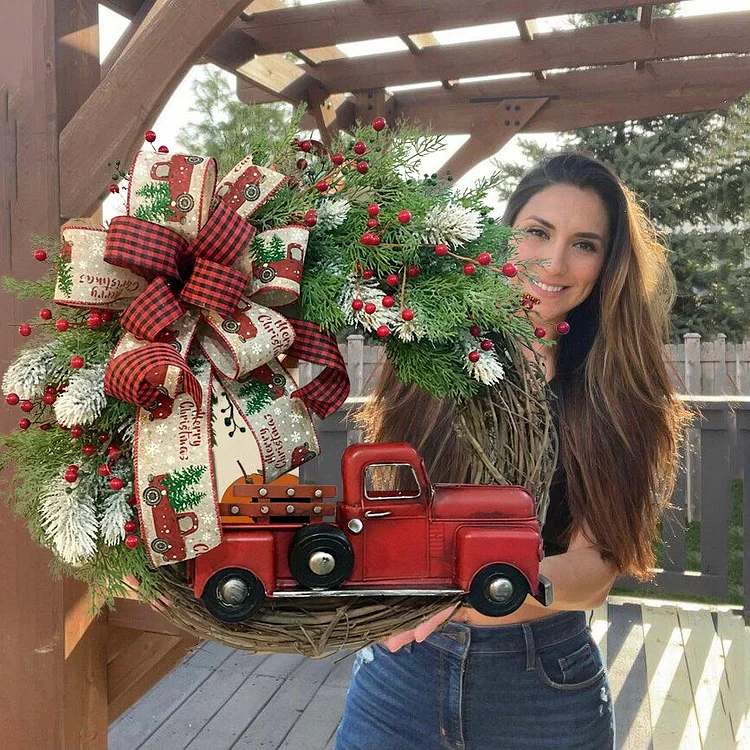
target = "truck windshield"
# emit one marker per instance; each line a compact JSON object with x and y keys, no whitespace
{"x":391,"y":482}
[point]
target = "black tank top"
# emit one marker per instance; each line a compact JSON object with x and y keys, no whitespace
{"x":558,"y":511}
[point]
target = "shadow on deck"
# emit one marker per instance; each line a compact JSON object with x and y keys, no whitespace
{"x":679,"y":678}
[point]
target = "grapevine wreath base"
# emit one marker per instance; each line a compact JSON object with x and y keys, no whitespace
{"x":509,"y":429}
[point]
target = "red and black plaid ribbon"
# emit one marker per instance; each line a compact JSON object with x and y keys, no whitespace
{"x":328,"y":391}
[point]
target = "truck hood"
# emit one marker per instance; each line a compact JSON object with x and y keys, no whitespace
{"x":472,"y":501}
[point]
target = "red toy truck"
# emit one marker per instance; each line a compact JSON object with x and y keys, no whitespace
{"x":421,"y":539}
{"x":170,"y":526}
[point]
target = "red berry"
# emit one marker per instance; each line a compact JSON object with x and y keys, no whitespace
{"x":12,"y":399}
{"x":404,"y":216}
{"x":407,"y":314}
{"x":24,"y":423}
{"x":49,"y":398}
{"x":360,"y":148}
{"x":311,"y":218}
{"x":45,"y":426}
{"x":362,"y":167}
{"x":131,"y":500}
{"x":373,"y":209}
{"x":469,"y":268}
{"x":107,"y":315}
{"x":130,"y":526}
{"x":24,"y":329}
{"x":116,"y":484}
{"x":114,"y":188}
{"x":95,"y":320}
{"x":413,"y":271}
{"x":71,"y":476}
{"x":441,"y":249}
{"x":150,"y":136}
{"x":357,"y":304}
{"x":62,"y":324}
{"x":563,"y":328}
{"x":540,"y":333}
{"x":474,"y":356}
{"x":487,"y":345}
{"x":388,"y":301}
{"x":163,"y":150}
{"x":368,"y":273}
{"x":40,"y":255}
{"x":131,"y":541}
{"x":88,"y":449}
{"x":73,"y":468}
{"x":383,"y":331}
{"x":370,"y":308}
{"x":26,"y":406}
{"x":62,"y":426}
{"x":322,"y":186}
{"x":301,"y":163}
{"x":378,"y":123}
{"x":372,"y":223}
{"x":338,"y":159}
{"x":77,"y":362}
{"x":527,"y":303}
{"x":475,"y":330}
{"x":45,"y":313}
{"x":484,"y":259}
{"x":76,"y":431}
{"x":366,"y":238}
{"x":392,"y":279}
{"x":114,"y":452}
{"x":103,"y":437}
{"x":104,"y":470}
{"x":305,"y":146}
{"x":509,"y":270}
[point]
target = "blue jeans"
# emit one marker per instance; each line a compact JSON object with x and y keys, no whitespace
{"x":537,"y":685}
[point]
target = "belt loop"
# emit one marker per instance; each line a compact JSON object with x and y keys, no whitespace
{"x":591,"y":617}
{"x":530,"y":647}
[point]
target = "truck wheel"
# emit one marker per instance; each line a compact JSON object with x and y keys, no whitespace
{"x":233,"y":595}
{"x":320,"y":556}
{"x":497,"y":590}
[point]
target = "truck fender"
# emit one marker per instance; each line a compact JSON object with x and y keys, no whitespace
{"x":251,"y":550}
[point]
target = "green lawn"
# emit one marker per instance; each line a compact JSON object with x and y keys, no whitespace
{"x":693,"y":554}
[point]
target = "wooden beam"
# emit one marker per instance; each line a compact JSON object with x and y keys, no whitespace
{"x":606,"y":44}
{"x":490,"y":132}
{"x":526,"y":30}
{"x":111,"y":122}
{"x":644,"y":19}
{"x":327,"y":24}
{"x":127,"y":35}
{"x":593,"y":84}
{"x":373,"y":103}
{"x":559,"y":116}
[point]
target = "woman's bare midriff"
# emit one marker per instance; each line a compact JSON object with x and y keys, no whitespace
{"x":524,"y":613}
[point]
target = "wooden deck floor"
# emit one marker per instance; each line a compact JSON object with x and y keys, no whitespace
{"x":679,"y":675}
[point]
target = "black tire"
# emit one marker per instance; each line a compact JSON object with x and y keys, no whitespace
{"x":266,"y":275}
{"x":176,"y":345}
{"x":152,"y":495}
{"x":309,"y":456}
{"x":185,"y":202}
{"x":278,"y":380}
{"x":160,"y":546}
{"x":235,"y":611}
{"x":193,"y":159}
{"x":480,"y":596}
{"x":320,"y":537}
{"x":230,"y":325}
{"x":251,"y":192}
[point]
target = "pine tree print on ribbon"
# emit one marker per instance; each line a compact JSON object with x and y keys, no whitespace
{"x":257,"y":396}
{"x":64,"y":272}
{"x":180,"y":487}
{"x":158,"y":197}
{"x":263,"y":253}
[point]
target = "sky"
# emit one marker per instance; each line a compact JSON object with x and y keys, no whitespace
{"x":177,"y":110}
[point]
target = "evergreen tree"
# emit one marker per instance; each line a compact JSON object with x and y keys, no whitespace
{"x":158,"y":197}
{"x":257,"y":396}
{"x":180,"y":487}
{"x":276,"y":251}
{"x":692,"y":172}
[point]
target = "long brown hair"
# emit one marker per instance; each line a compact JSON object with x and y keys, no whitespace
{"x":621,"y":423}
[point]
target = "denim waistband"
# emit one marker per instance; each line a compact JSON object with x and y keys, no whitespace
{"x":521,"y":637}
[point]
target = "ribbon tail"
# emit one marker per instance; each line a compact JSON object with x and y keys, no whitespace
{"x":328,"y":391}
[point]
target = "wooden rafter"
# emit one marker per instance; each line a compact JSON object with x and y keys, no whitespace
{"x":490,"y":131}
{"x":598,"y":45}
{"x":645,"y":13}
{"x":110,"y":123}
{"x":526,"y":30}
{"x":320,"y":25}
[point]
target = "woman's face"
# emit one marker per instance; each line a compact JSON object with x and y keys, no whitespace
{"x":569,"y":228}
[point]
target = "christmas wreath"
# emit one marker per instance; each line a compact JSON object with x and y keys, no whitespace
{"x":159,"y":360}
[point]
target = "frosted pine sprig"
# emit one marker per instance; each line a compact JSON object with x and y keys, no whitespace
{"x":115,"y":513}
{"x":29,"y":374}
{"x":368,"y":292}
{"x":332,"y":213}
{"x":410,"y":330}
{"x":84,"y":399}
{"x":487,"y":369}
{"x":69,"y":519}
{"x":452,"y":224}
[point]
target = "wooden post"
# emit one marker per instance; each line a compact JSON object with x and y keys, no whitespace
{"x":743,"y":432}
{"x":355,"y":362}
{"x":693,"y":437}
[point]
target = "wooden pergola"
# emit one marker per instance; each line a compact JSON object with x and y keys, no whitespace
{"x":63,"y":116}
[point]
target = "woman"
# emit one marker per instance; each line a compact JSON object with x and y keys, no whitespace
{"x":535,"y":678}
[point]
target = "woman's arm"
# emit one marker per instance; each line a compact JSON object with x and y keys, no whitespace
{"x":581,"y":579}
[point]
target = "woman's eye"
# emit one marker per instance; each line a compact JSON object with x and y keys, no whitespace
{"x":587,"y":246}
{"x":536,"y":232}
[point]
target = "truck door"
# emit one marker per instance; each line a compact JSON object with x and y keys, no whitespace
{"x":395,"y":523}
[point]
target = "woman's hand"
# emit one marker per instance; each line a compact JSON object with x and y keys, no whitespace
{"x":422,"y":630}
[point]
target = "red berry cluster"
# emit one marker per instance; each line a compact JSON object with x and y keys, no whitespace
{"x":484,"y":344}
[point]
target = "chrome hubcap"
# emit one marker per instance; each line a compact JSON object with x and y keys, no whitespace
{"x":321,"y":563}
{"x":233,"y":591}
{"x":499,"y":589}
